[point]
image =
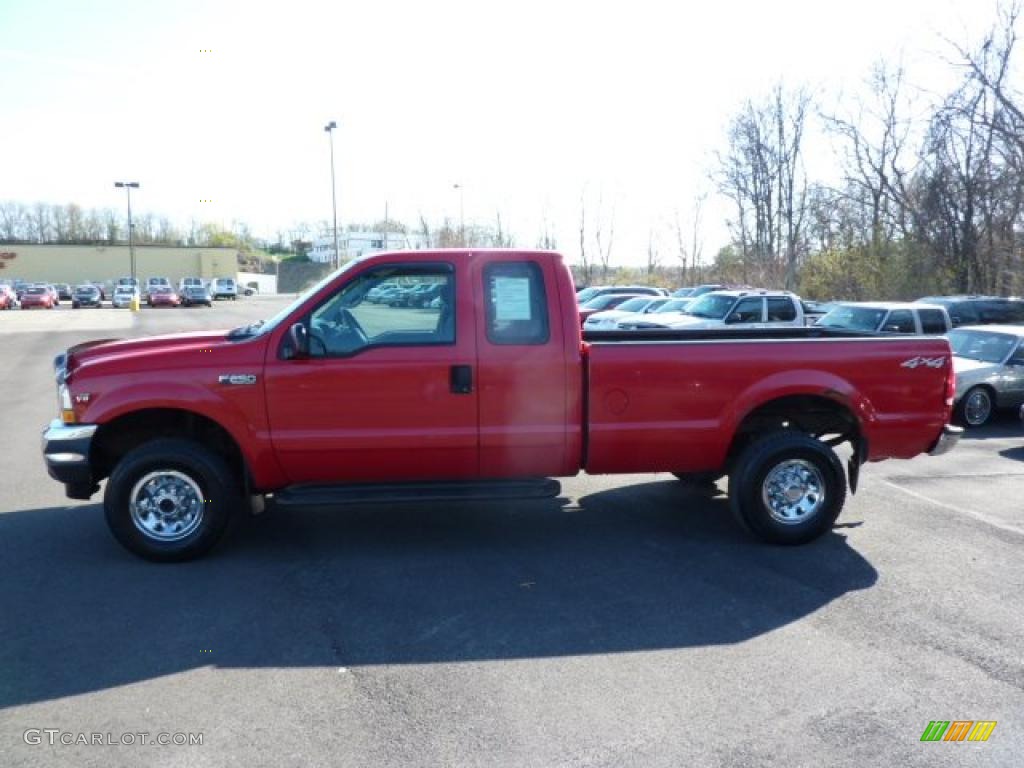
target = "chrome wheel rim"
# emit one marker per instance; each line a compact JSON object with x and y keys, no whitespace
{"x":793,"y":491}
{"x":166,"y":505}
{"x":978,"y":408}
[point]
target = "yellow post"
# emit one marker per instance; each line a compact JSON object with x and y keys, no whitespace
{"x":136,"y":303}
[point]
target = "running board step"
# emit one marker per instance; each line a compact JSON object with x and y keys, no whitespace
{"x":401,"y":493}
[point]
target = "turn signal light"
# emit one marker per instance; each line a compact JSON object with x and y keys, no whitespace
{"x":67,"y":416}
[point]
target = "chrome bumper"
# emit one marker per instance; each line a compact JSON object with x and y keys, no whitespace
{"x":947,"y":440}
{"x":66,"y":453}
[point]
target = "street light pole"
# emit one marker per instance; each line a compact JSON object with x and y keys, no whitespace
{"x":334,"y":193}
{"x":128,"y":186}
{"x":462,"y":215}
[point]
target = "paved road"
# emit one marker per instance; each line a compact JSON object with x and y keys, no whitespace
{"x":627,"y":623}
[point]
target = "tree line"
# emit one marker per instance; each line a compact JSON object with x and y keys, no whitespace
{"x":930,"y":196}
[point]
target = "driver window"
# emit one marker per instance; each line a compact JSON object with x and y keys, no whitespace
{"x":389,"y":306}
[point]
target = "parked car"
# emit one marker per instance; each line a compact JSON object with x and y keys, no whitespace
{"x":979,"y":310}
{"x":86,"y":295}
{"x":224,"y":288}
{"x":193,"y":295}
{"x":738,"y":309}
{"x":52,"y":290}
{"x":376,"y":294}
{"x":672,"y":309}
{"x":63,"y":291}
{"x":8,"y":297}
{"x":603,"y":302}
{"x":38,"y":297}
{"x":989,"y":364}
{"x":308,"y":407}
{"x":582,"y":297}
{"x":163,"y":296}
{"x":699,"y":290}
{"x":888,"y":317}
{"x":607,"y":320}
{"x":152,"y":283}
{"x":123,"y":296}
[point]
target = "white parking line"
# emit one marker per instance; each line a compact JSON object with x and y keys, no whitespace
{"x":962,"y":510}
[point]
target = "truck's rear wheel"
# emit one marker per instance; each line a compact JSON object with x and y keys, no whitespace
{"x":787,"y":488}
{"x":170,"y":500}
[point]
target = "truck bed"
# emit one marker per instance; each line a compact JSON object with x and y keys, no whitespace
{"x":677,"y":400}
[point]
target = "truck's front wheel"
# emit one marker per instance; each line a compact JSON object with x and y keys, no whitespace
{"x":170,"y":500}
{"x":787,"y":488}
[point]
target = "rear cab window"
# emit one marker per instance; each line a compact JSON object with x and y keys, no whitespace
{"x":515,"y":302}
{"x":781,"y":310}
{"x":933,"y":321}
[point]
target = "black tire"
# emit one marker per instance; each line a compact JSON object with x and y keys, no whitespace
{"x":221,"y":497}
{"x":960,"y":413}
{"x":773,"y":451}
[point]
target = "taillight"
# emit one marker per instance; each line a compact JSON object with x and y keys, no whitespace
{"x":950,"y":383}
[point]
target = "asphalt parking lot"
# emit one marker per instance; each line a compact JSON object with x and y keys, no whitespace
{"x":629,"y":622}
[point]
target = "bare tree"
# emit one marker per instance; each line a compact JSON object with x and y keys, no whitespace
{"x":762,"y":173}
{"x":604,"y":245}
{"x":689,"y":242}
{"x":586,"y":267}
{"x":653,"y":257}
{"x":12,"y":221}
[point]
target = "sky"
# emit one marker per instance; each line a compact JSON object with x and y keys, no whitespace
{"x":528,"y":106}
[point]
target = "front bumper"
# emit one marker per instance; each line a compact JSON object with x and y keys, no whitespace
{"x":947,"y":440}
{"x":66,"y":453}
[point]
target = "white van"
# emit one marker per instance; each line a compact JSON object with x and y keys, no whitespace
{"x":224,"y":288}
{"x":189,"y":282}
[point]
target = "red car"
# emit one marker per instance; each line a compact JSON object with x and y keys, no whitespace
{"x":38,"y":296}
{"x":162,"y":296}
{"x":336,"y":400}
{"x":603,"y":302}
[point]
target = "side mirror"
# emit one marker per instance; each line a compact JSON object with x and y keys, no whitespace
{"x":298,"y":340}
{"x":731,"y":319}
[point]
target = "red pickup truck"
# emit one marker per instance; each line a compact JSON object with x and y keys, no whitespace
{"x":486,"y":391}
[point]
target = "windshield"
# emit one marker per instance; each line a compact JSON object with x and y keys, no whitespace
{"x":586,"y":295}
{"x":601,"y":302}
{"x":853,"y":318}
{"x":264,"y":326}
{"x":676,"y":305}
{"x":712,"y":306}
{"x":633,"y":305}
{"x":983,"y":346}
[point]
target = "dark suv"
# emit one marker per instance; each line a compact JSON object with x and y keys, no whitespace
{"x":979,"y":310}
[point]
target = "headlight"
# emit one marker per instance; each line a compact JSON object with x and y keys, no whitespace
{"x":67,"y":413}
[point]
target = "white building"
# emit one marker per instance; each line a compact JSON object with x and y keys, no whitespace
{"x":356,"y":244}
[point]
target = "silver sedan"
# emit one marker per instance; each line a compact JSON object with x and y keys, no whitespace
{"x":989,"y":365}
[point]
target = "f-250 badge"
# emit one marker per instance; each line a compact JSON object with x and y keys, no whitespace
{"x":237,"y":378}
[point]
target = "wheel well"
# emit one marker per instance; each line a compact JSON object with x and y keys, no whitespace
{"x":815,"y":415}
{"x":116,"y":438}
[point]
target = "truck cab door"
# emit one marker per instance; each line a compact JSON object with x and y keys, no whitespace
{"x":385,"y":393}
{"x":525,"y":365}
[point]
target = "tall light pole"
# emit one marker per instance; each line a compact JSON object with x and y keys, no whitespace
{"x":128,"y":186}
{"x":334,"y":193}
{"x":462,"y":215}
